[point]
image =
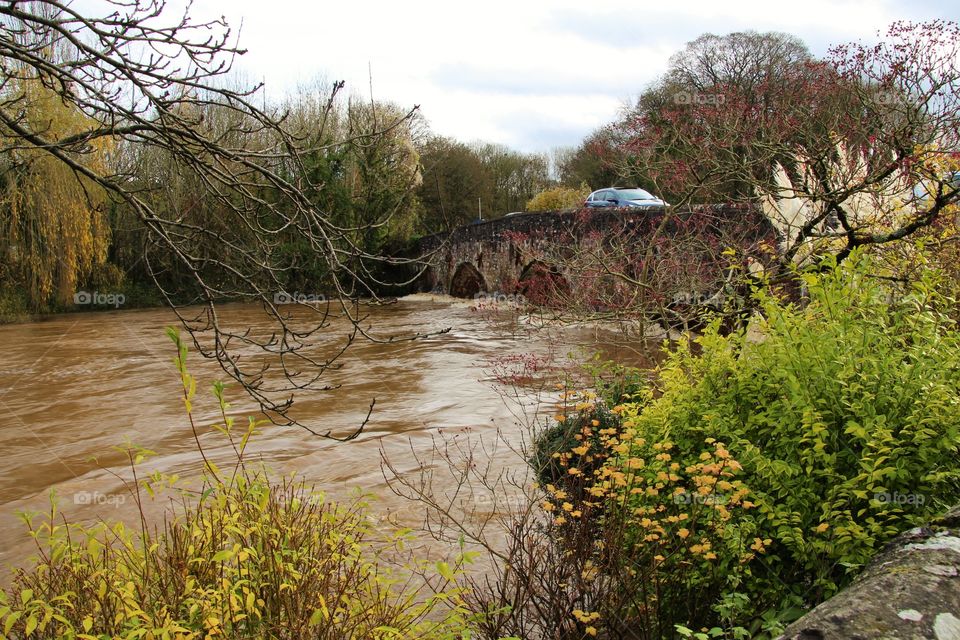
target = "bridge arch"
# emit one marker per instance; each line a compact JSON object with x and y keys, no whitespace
{"x":427,"y":280}
{"x":467,"y":281}
{"x":542,"y":283}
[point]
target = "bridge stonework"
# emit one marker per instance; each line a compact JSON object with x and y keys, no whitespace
{"x":496,"y":255}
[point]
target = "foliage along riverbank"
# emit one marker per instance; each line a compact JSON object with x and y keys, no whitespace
{"x":754,"y":478}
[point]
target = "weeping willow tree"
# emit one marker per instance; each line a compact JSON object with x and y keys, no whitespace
{"x":52,"y":219}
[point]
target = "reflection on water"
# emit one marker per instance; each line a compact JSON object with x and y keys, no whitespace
{"x":74,"y":387}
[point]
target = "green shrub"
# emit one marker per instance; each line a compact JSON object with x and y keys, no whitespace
{"x":661,"y":519}
{"x":559,"y":198}
{"x":243,"y":557}
{"x":756,"y":473}
{"x":844,"y":417}
{"x":14,"y":305}
{"x":551,"y":447}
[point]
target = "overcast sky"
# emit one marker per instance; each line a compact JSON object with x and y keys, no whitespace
{"x":532,"y":74}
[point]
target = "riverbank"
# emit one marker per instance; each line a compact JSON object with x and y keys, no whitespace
{"x":14,"y":307}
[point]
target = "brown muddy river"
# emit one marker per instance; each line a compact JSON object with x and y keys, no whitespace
{"x":74,"y":386}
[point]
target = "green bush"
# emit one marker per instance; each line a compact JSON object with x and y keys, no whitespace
{"x":661,"y":520}
{"x":558,"y":198}
{"x":550,"y":446}
{"x":243,"y":557}
{"x":14,"y":306}
{"x":844,"y":416}
{"x":759,"y":471}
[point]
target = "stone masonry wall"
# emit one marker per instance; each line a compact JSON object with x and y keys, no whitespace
{"x":499,"y":250}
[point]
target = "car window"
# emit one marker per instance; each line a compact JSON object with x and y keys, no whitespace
{"x":606,"y":195}
{"x":635,"y":194}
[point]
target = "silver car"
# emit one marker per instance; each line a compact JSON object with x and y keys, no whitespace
{"x":621,"y":197}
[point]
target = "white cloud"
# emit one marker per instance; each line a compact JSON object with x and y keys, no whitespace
{"x":522,"y":72}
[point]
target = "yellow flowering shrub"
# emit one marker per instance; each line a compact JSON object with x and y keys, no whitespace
{"x":753,"y":478}
{"x":681,"y":518}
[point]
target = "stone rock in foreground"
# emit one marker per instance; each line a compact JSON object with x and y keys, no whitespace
{"x":910,"y":591}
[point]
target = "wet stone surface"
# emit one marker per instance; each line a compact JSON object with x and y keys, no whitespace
{"x":911,"y":590}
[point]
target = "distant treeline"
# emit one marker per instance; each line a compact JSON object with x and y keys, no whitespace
{"x":344,"y":179}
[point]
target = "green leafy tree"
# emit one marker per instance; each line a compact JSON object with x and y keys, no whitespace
{"x":516,"y":177}
{"x":454,"y":180}
{"x":594,"y":162}
{"x":382,"y":173}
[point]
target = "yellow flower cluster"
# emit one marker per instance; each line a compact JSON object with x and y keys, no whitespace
{"x":587,"y":618}
{"x":679,"y":507}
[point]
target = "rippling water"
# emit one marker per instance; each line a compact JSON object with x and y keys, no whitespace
{"x":75,"y":386}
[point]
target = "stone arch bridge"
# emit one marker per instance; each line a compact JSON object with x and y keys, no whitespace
{"x":506,"y":254}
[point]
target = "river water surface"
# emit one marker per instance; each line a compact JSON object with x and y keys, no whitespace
{"x":75,"y":386}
